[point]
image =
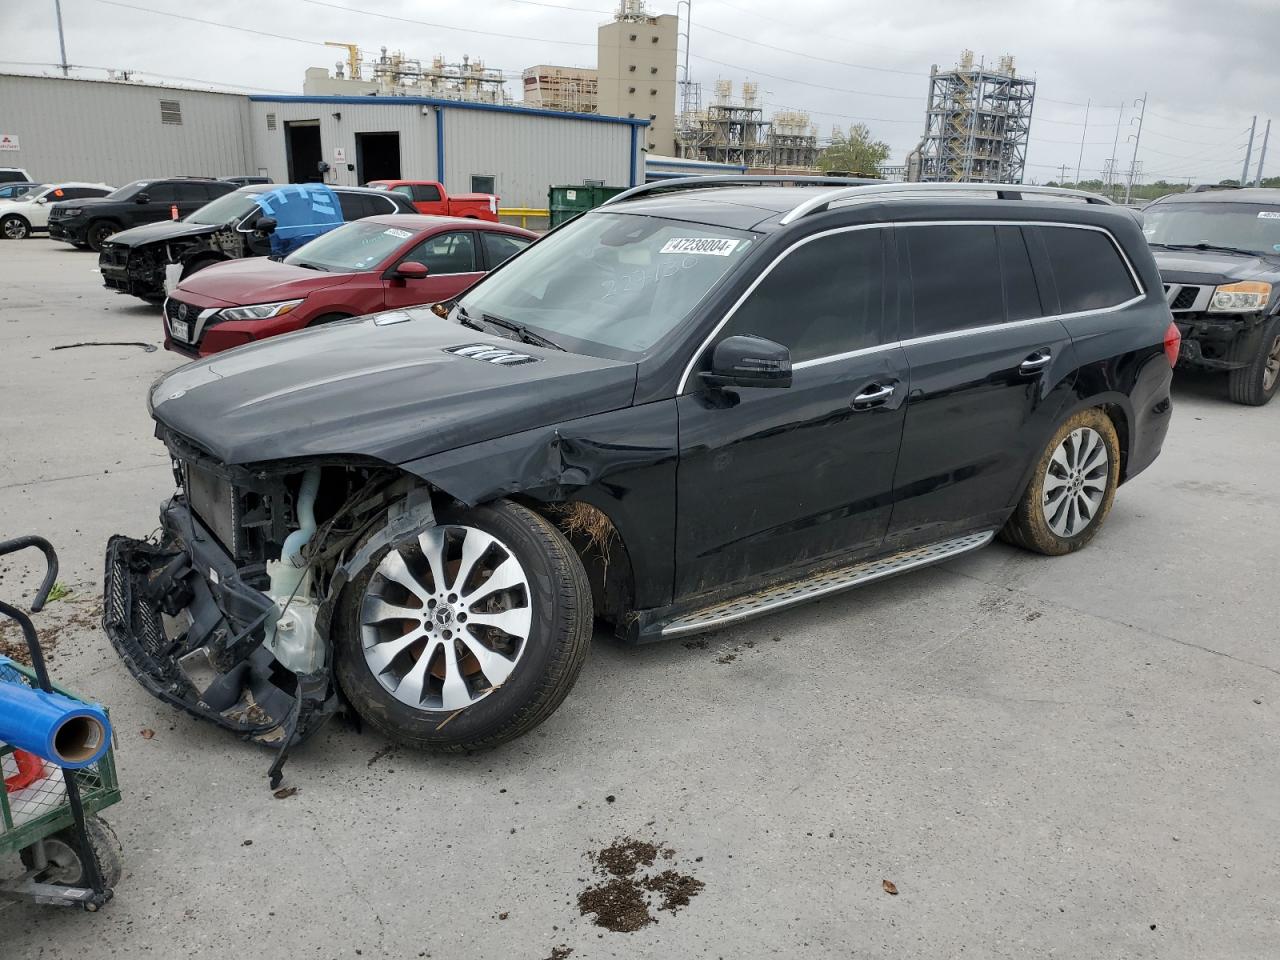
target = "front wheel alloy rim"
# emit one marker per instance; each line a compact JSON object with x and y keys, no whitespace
{"x":444,"y":620}
{"x":1271,"y":369}
{"x":14,"y":229}
{"x":1075,"y":483}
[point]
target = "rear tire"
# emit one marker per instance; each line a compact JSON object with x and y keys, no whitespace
{"x":66,"y":857}
{"x":14,"y":227}
{"x":98,"y":232}
{"x":1255,"y":384}
{"x":492,"y":687}
{"x":1070,"y":475}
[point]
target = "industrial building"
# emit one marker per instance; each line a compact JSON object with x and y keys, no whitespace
{"x":395,"y":75}
{"x":977,"y":124}
{"x":636,"y":65}
{"x":734,"y":131}
{"x":117,"y":132}
{"x":571,"y":89}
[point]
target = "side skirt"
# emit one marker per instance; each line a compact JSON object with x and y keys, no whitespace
{"x":794,"y":592}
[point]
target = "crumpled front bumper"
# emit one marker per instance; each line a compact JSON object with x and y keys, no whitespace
{"x":191,"y":632}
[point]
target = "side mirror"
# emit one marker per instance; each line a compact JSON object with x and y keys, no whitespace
{"x":412,"y":270}
{"x":40,"y":199}
{"x":142,"y":198}
{"x":265,"y":225}
{"x":746,"y":361}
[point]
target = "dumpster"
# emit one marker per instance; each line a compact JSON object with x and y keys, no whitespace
{"x":567,"y":202}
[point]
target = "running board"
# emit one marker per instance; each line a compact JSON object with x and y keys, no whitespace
{"x":833,"y":581}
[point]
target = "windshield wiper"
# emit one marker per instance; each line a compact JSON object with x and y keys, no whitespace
{"x":1203,"y":245}
{"x":520,"y":330}
{"x":311,"y":266}
{"x":464,"y":318}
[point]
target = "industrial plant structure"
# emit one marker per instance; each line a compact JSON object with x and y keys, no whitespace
{"x":735,"y":131}
{"x":977,"y":124}
{"x":393,"y":74}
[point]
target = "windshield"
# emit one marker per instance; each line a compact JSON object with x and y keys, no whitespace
{"x":616,"y":280}
{"x":351,"y":248}
{"x":128,"y":190}
{"x":1246,"y":226}
{"x":20,"y":189}
{"x":228,"y":208}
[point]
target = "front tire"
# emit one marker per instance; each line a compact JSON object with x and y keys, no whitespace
{"x":470,"y":634}
{"x":1072,"y":487}
{"x":97,"y":234}
{"x":14,"y":227}
{"x":1255,"y":383}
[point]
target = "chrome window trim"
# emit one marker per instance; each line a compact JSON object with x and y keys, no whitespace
{"x":949,"y":335}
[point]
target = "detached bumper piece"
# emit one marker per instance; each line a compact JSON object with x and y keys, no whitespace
{"x":191,"y":632}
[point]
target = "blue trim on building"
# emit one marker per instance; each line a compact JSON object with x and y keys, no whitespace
{"x":634,"y":157}
{"x":452,"y":104}
{"x":440,"y":145}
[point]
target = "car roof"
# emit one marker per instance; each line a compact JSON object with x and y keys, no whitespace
{"x":268,"y":187}
{"x":1225,"y":195}
{"x":421,"y":221}
{"x":78,"y":183}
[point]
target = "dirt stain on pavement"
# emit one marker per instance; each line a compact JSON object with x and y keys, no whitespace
{"x":631,"y":892}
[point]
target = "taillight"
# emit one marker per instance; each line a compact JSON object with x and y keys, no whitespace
{"x":1172,"y":344}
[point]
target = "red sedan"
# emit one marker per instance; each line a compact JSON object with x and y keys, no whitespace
{"x":378,"y":263}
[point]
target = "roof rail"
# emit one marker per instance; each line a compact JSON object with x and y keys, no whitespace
{"x":698,"y":183}
{"x":876,"y":191}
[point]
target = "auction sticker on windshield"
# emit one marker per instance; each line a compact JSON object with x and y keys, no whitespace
{"x":1269,"y":214}
{"x":401,"y":234}
{"x":707,"y":246}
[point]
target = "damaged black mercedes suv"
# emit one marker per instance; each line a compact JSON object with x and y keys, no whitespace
{"x":703,"y":401}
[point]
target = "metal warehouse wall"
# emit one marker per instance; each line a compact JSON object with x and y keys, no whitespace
{"x":528,"y":154}
{"x":417,"y":135}
{"x":111,"y":132}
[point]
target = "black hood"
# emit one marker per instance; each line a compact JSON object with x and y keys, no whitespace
{"x":391,"y":386}
{"x":1214,"y":266}
{"x":162,"y":232}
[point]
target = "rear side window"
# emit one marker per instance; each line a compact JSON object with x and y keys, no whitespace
{"x":425,"y":192}
{"x":378,"y":204}
{"x":191,"y":192}
{"x":1021,"y":297}
{"x":355,"y":206}
{"x":500,"y":246}
{"x":161,"y":192}
{"x":823,"y":298}
{"x":1087,"y":269}
{"x":955,"y":277}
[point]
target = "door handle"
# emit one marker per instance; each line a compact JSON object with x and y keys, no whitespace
{"x":873,"y":396}
{"x":1036,"y":362}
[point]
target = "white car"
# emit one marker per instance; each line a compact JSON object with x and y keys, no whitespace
{"x":14,"y":175}
{"x":30,"y":212}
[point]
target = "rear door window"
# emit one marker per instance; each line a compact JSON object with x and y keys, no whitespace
{"x":501,"y":246}
{"x":1087,"y":269}
{"x":162,"y":192}
{"x":379,"y":205}
{"x":955,"y":277}
{"x":824,"y":298}
{"x":354,"y":205}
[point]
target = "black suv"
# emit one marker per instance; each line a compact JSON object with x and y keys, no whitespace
{"x":1219,"y":254}
{"x":148,"y":261}
{"x":87,"y":223}
{"x":702,"y":401}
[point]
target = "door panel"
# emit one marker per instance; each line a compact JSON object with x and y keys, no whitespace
{"x":771,"y":478}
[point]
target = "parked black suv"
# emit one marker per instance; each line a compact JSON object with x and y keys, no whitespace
{"x":702,"y":401}
{"x":148,"y":261}
{"x":1219,"y":254}
{"x":87,"y":223}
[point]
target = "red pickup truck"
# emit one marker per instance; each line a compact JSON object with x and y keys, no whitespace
{"x":429,"y":197}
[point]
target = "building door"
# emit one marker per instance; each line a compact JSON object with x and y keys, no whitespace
{"x":302,"y":148}
{"x":377,"y":156}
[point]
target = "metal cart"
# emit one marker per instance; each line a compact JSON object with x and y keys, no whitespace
{"x":48,"y":817}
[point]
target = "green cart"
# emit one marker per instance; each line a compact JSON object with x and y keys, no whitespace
{"x":49,"y":816}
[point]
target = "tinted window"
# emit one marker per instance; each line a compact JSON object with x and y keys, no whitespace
{"x":1087,"y":269}
{"x":446,"y":253}
{"x":161,"y":192}
{"x":354,"y":205}
{"x":1021,"y":298}
{"x":192,"y":192}
{"x":218,"y":189}
{"x":823,"y":298}
{"x":389,"y":205}
{"x":501,"y":246}
{"x":955,"y":278}
{"x":425,"y":192}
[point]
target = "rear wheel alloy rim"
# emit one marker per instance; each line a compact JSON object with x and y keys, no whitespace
{"x":14,"y":230}
{"x":445,"y":620}
{"x":1075,"y":483}
{"x":1271,"y":370}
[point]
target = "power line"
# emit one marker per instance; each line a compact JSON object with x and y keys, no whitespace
{"x":208,"y":23}
{"x":445,"y":26}
{"x":752,"y":72}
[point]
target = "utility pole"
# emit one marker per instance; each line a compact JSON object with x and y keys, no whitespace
{"x":1080,"y":158}
{"x":1128,"y":189}
{"x":1262,"y":154}
{"x":1248,"y":152}
{"x":62,"y":43}
{"x":1062,"y":175}
{"x":1115,"y":154}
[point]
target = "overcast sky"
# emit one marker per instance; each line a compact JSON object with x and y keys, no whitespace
{"x":1206,"y":66}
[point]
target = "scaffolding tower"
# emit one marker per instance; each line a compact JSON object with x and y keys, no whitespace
{"x":977,"y":123}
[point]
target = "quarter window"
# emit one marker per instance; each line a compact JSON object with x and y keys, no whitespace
{"x":446,"y":253}
{"x":1087,"y":269}
{"x":825,"y":297}
{"x":955,"y":278}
